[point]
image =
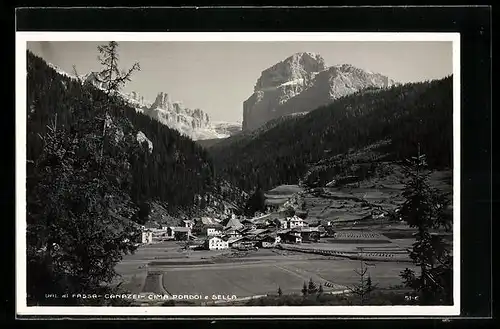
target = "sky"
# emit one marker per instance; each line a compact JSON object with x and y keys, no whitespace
{"x":218,"y":76}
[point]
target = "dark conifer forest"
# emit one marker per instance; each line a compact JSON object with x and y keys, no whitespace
{"x":174,"y":172}
{"x":407,"y":115}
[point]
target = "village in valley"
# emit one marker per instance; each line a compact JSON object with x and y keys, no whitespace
{"x":322,"y":235}
{"x":261,"y":231}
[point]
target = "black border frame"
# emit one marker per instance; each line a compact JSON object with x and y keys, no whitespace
{"x":474,"y":25}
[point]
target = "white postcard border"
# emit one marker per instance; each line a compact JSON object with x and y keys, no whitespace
{"x":192,"y":311}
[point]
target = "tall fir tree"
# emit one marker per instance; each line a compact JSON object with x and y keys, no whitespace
{"x":304,"y":289}
{"x":424,"y":209}
{"x":110,"y":76}
{"x":311,"y":287}
{"x":79,"y":184}
{"x":77,"y":202}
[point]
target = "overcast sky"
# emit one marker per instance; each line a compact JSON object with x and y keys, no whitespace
{"x":218,"y":76}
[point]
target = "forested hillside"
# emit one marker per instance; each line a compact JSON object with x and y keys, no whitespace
{"x":406,"y":115}
{"x":243,"y":137}
{"x":90,"y":178}
{"x":174,"y":172}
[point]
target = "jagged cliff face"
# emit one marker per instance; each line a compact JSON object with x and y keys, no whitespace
{"x":195,"y":123}
{"x":302,"y":83}
{"x":295,"y":71}
{"x":277,"y":85}
{"x":192,"y":123}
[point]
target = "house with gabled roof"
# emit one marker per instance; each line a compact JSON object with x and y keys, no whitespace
{"x":233,"y":241}
{"x":234,"y":223}
{"x":244,"y":242}
{"x":269,"y":241}
{"x":179,"y":233}
{"x":248,"y":224}
{"x":310,"y":234}
{"x":146,"y":234}
{"x":213,"y":229}
{"x":188,"y":223}
{"x":231,"y":232}
{"x":216,"y":243}
{"x":257,"y":231}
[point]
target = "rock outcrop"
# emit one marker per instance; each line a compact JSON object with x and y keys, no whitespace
{"x":301,"y":83}
{"x":192,"y":123}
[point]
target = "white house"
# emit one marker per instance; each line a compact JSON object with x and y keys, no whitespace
{"x":291,"y":222}
{"x":295,"y":221}
{"x":179,"y":232}
{"x":232,"y":232}
{"x":147,"y":237}
{"x":269,"y":241}
{"x":217,"y":243}
{"x":213,"y":230}
{"x":188,"y":223}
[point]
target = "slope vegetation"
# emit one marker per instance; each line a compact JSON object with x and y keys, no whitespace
{"x":395,"y":120}
{"x":173,"y":169}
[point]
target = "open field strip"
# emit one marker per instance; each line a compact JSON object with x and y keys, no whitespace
{"x":230,"y":266}
{"x":351,"y":254}
{"x":342,"y":272}
{"x":306,"y":276}
{"x":242,"y":282}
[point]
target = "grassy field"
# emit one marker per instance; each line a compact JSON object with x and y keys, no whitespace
{"x":281,"y":194}
{"x":385,"y":274}
{"x":258,"y":279}
{"x":158,"y":268}
{"x":237,"y":280}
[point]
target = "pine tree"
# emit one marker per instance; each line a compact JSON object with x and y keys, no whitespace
{"x":280,"y":292}
{"x":78,"y":190}
{"x":369,"y":286}
{"x":111,"y":77}
{"x":304,"y":289}
{"x":311,"y":288}
{"x":365,"y":285}
{"x":76,"y":202}
{"x":424,"y":209}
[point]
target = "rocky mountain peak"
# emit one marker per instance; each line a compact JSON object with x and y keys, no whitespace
{"x":162,"y":101}
{"x":301,"y":83}
{"x":296,"y":69}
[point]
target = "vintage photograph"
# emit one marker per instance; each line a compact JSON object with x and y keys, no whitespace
{"x":240,"y":173}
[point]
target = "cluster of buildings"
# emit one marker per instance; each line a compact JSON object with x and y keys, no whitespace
{"x":265,"y":231}
{"x":164,"y":232}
